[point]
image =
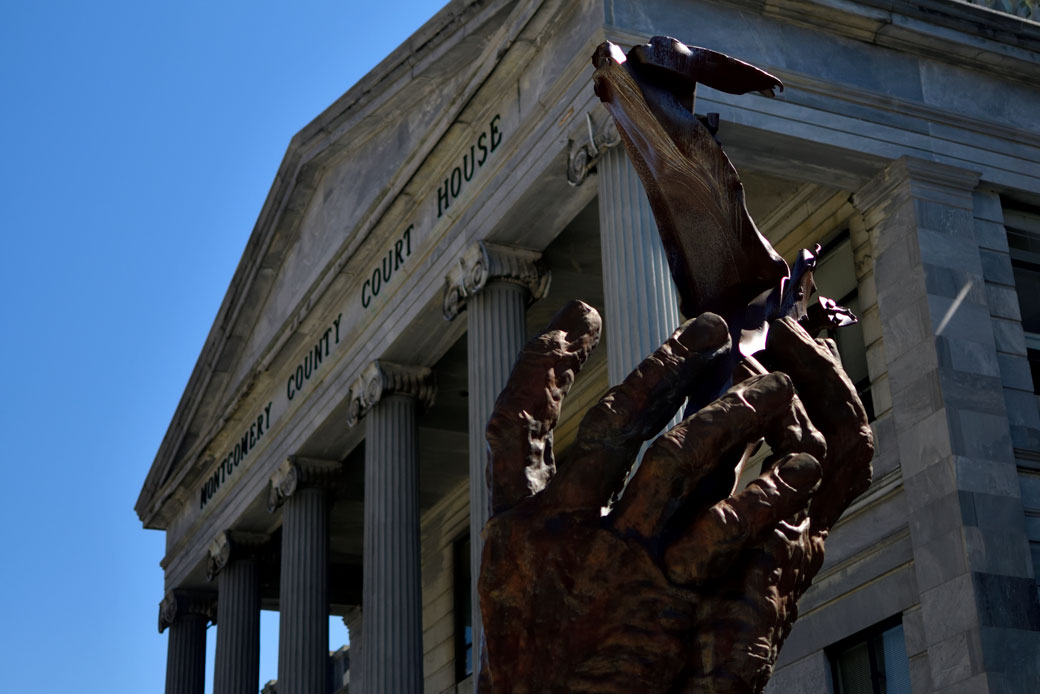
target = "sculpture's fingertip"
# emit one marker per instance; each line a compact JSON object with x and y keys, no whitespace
{"x":579,"y":321}
{"x":706,"y":332}
{"x":801,"y":472}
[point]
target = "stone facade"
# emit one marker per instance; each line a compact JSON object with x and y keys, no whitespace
{"x":435,"y":216}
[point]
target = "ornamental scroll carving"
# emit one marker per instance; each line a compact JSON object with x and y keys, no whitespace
{"x":381,"y":379}
{"x":231,"y":544}
{"x":582,"y":159}
{"x":178,"y":603}
{"x":483,"y":262}
{"x":296,"y":472}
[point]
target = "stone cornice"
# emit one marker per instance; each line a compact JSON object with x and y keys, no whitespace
{"x":484,"y":262}
{"x":178,"y":603}
{"x":957,"y":32}
{"x":893,"y":184}
{"x":381,"y":379}
{"x":232,"y":544}
{"x":297,"y":472}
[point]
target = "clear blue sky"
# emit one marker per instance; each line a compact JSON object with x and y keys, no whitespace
{"x":139,"y":140}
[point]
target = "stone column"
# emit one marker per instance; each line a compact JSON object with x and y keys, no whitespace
{"x":300,"y":485}
{"x":354,"y":621}
{"x":494,"y":285}
{"x":977,"y":629}
{"x":233,"y":562}
{"x":642,"y":305}
{"x":387,"y":396}
{"x":186,"y":613}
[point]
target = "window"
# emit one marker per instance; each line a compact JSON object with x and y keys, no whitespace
{"x":835,"y":278}
{"x":463,"y":610}
{"x":872,"y":662}
{"x":1023,"y":232}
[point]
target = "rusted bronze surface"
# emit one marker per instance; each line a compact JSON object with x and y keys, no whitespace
{"x":687,"y":584}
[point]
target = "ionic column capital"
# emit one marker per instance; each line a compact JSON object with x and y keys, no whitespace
{"x":583,"y":156}
{"x":484,"y":262}
{"x":232,"y":544}
{"x":381,"y":379}
{"x":297,"y":472}
{"x":178,"y":603}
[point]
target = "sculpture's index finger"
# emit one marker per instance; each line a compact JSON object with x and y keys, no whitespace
{"x":519,"y":432}
{"x":693,"y":64}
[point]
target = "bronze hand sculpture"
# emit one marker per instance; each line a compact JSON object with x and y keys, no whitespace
{"x":687,"y":584}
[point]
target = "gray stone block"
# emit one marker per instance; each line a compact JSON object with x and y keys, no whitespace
{"x":999,"y":552}
{"x":920,"y":673}
{"x":1022,"y":406}
{"x":953,"y":221}
{"x":1003,"y":301}
{"x":991,"y":235}
{"x":1027,"y":438}
{"x":939,"y":517}
{"x":913,"y":631}
{"x":1015,"y":373}
{"x":978,"y":684}
{"x":932,"y":483}
{"x":981,"y":435}
{"x":986,"y":477}
{"x":958,"y":253}
{"x":925,"y":443}
{"x":1007,"y":602}
{"x":962,"y":390}
{"x":1008,"y":336}
{"x":941,"y":560}
{"x":1013,"y":657}
{"x":967,"y":355}
{"x":968,"y":322}
{"x":986,"y":206}
{"x":998,"y":512}
{"x":904,"y":368}
{"x":906,"y":329}
{"x":900,"y":223}
{"x":953,"y":660}
{"x":949,"y":609}
{"x":918,"y":399}
{"x":948,"y":282}
{"x":808,"y":675}
{"x":996,"y":267}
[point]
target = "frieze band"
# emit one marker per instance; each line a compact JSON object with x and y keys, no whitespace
{"x":483,"y":262}
{"x":381,"y":379}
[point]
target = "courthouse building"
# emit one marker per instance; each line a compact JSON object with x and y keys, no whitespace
{"x":327,"y":455}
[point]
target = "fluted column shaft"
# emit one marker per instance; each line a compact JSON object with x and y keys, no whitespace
{"x":186,"y":655}
{"x":392,"y":593}
{"x":495,"y":333}
{"x":237,"y":662}
{"x":642,"y":305}
{"x":303,"y":632}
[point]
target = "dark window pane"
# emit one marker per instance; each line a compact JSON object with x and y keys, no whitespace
{"x":854,"y":675}
{"x":1027,"y":284}
{"x":463,"y":611}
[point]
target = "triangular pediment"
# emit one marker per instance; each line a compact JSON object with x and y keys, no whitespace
{"x":343,"y":175}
